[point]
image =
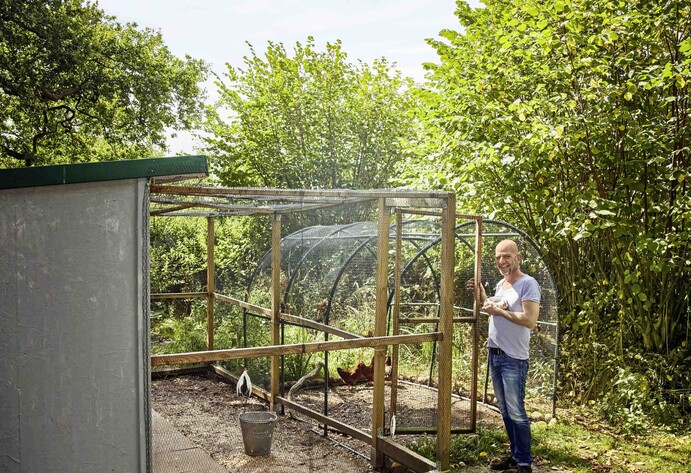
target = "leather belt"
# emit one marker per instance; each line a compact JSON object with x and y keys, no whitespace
{"x":496,"y":351}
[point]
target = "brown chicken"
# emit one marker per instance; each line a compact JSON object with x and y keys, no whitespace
{"x":388,"y":369}
{"x":350,"y":377}
{"x":367,"y":372}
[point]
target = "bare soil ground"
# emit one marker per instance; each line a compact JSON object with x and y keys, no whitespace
{"x":206,"y":409}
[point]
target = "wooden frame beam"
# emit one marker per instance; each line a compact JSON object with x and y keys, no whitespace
{"x":475,"y":329}
{"x":257,"y":192}
{"x":307,"y":323}
{"x":210,"y":282}
{"x":293,"y":319}
{"x":245,"y":305}
{"x":276,"y":298}
{"x":396,"y":314}
{"x":448,"y":245}
{"x":403,"y":455}
{"x":256,"y":390}
{"x":178,"y":295}
{"x":292,"y":349}
{"x":326,"y":420}
{"x":381,"y":301}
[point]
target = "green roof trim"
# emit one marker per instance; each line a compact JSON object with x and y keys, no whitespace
{"x":182,"y":166}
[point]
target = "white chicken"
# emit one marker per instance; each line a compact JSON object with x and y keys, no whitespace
{"x":244,"y":386}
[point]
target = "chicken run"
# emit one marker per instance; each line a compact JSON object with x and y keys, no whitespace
{"x":361,"y":304}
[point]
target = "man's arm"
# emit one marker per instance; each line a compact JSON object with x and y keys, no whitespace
{"x":527,"y":318}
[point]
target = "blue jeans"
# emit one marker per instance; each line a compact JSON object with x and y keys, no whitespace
{"x":508,"y":378}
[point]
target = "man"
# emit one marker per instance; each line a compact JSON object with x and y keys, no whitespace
{"x":513,"y":314}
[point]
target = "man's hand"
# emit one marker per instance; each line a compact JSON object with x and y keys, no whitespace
{"x":471,"y":286}
{"x":492,"y":309}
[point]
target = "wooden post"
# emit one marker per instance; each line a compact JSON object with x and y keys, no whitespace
{"x":210,"y":282}
{"x":448,"y":243}
{"x":377,"y":457}
{"x":475,"y":330}
{"x":396,"y":312}
{"x":275,"y":305}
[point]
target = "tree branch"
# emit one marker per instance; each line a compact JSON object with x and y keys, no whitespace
{"x":59,"y":95}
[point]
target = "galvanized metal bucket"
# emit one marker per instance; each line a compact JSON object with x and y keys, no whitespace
{"x":257,"y":431}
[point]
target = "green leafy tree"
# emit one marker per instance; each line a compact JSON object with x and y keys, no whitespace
{"x":571,"y":119}
{"x":75,"y":85}
{"x":310,"y":120}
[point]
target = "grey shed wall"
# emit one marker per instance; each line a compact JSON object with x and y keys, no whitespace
{"x":74,"y":361}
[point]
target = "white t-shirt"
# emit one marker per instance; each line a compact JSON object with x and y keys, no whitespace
{"x":512,"y":338}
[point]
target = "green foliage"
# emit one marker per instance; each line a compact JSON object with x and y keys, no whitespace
{"x":296,"y":366}
{"x":311,"y":120}
{"x":179,"y":251}
{"x":635,"y":404}
{"x":466,"y":449}
{"x":627,"y":403}
{"x":570,"y":444}
{"x":178,"y":254}
{"x":77,"y":86}
{"x":240,"y":244}
{"x":179,"y":334}
{"x":228,"y":331}
{"x":570,"y":120}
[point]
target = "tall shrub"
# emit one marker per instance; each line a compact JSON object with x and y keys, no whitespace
{"x":570,"y":119}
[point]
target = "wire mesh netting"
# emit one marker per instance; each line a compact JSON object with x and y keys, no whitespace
{"x":327,"y":275}
{"x":329,"y":287}
{"x":540,"y":389}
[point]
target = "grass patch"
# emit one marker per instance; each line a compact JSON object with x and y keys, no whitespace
{"x":578,"y":447}
{"x":573,"y":445}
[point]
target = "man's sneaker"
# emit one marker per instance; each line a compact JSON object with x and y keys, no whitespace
{"x":519,"y":469}
{"x":501,"y":465}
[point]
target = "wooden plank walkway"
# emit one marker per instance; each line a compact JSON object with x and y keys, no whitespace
{"x":175,"y":453}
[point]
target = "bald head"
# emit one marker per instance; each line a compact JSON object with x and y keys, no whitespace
{"x":507,"y":246}
{"x":508,"y":258}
